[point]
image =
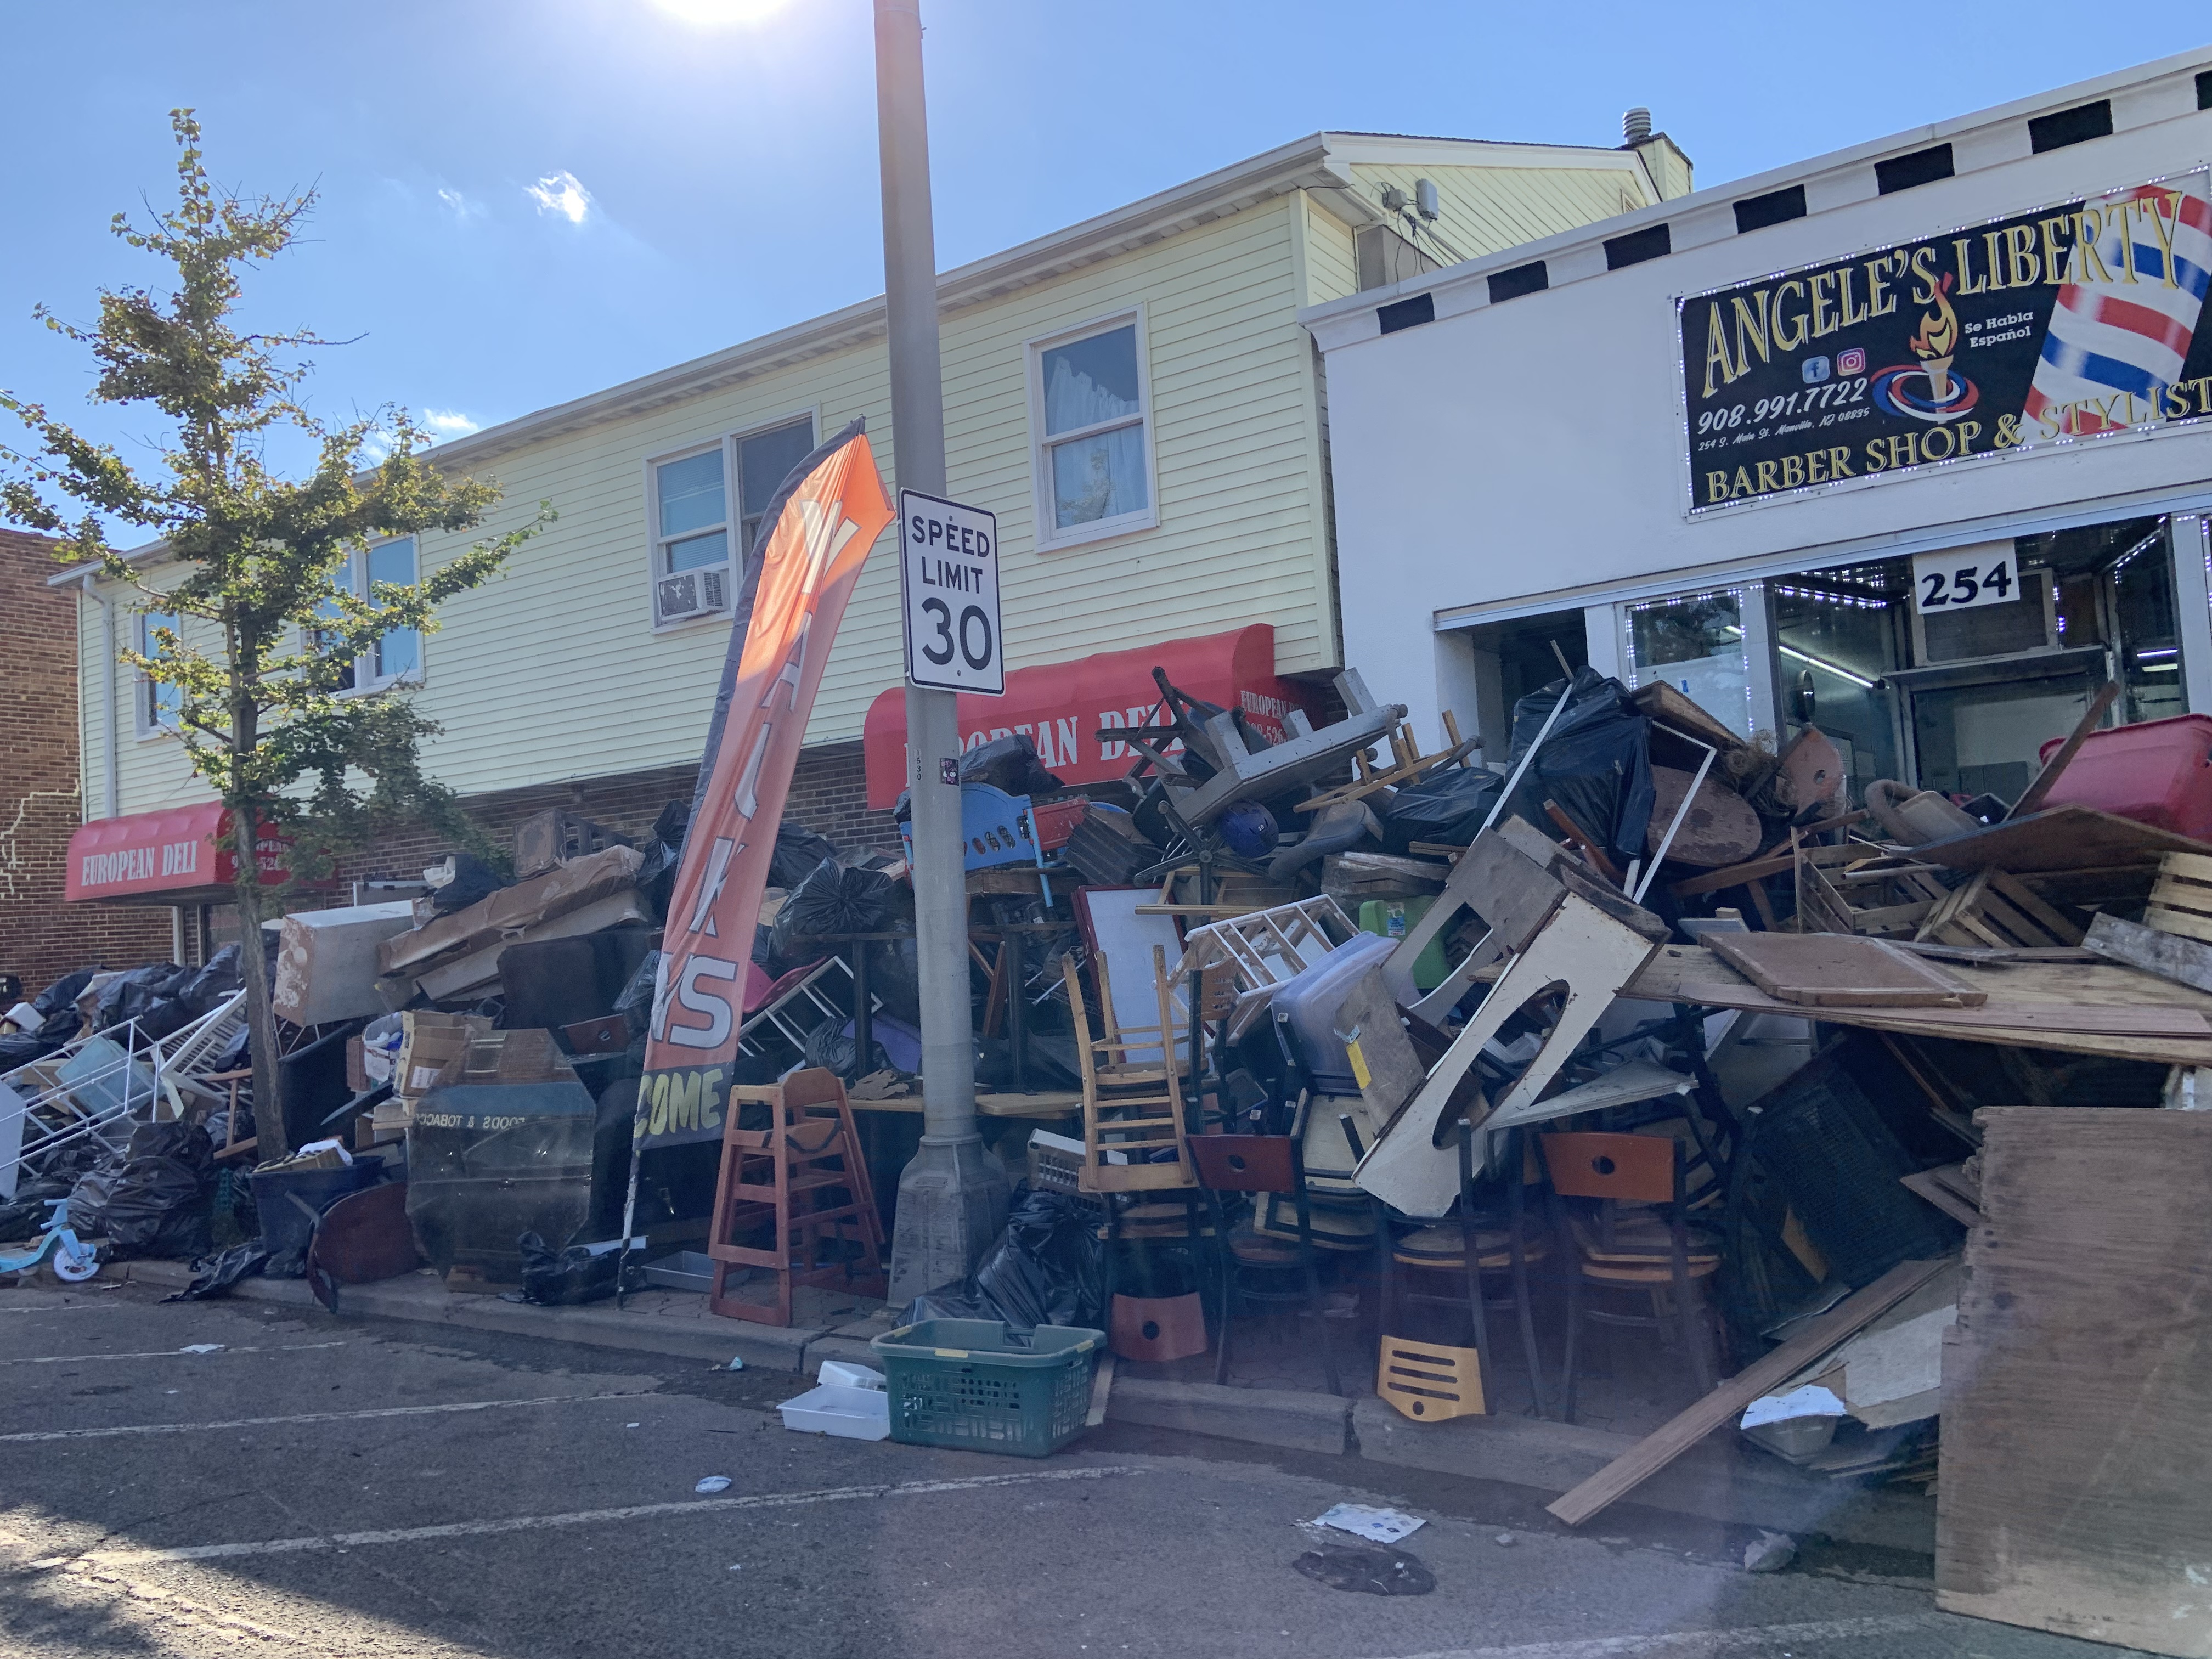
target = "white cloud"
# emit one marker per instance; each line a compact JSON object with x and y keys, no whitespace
{"x":561,"y":192}
{"x":460,"y":205}
{"x":376,"y":446}
{"x":450,"y":422}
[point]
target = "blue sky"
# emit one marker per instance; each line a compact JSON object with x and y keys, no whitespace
{"x":525,"y":200}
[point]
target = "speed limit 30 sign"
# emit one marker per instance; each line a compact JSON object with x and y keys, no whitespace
{"x":949,"y":572}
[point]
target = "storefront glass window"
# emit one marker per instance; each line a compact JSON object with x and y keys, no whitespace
{"x":1695,"y":642}
{"x":2115,"y":588}
{"x":1836,"y":635}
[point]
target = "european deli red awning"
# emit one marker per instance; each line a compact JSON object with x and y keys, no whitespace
{"x":165,"y":857}
{"x":1064,"y":706}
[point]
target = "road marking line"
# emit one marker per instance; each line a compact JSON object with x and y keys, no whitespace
{"x":316,"y":1417}
{"x":1696,"y":1644}
{"x":344,"y":1540}
{"x":195,"y":1351}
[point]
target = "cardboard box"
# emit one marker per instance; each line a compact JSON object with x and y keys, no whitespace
{"x":430,"y":1044}
{"x":513,"y":911}
{"x":326,"y":961}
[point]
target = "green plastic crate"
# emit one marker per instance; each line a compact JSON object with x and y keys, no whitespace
{"x":984,"y":1386}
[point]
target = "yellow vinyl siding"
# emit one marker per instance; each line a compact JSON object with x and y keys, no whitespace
{"x":554,"y":671}
{"x":1485,"y":209}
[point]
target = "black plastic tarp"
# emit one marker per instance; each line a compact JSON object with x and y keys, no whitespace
{"x":1596,"y":762}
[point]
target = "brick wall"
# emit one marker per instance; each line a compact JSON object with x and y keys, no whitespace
{"x":828,"y":795}
{"x":40,"y":802}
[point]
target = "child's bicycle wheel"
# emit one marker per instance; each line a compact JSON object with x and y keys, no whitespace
{"x":74,"y":1262}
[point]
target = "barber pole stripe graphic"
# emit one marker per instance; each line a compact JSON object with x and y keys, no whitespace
{"x":2125,"y":318}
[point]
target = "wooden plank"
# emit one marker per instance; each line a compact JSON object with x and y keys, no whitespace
{"x":2190,"y":866}
{"x":2059,"y":839}
{"x":1724,"y":1404}
{"x":2170,"y":956}
{"x":1926,"y":1185}
{"x":1661,"y":701}
{"x":2076,"y":1384}
{"x":2039,"y":791}
{"x":2046,"y":1002}
{"x":2019,"y":893}
{"x":2178,"y":922}
{"x":1823,"y":970}
{"x":1384,"y":1062}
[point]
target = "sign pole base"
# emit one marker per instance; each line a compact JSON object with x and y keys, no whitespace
{"x":953,"y":1205}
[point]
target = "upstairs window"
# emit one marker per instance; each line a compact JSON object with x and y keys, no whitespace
{"x":397,"y":656}
{"x":160,"y":706}
{"x":1090,"y":415}
{"x":696,"y":539}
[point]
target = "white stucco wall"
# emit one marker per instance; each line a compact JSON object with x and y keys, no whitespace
{"x":1531,"y":454}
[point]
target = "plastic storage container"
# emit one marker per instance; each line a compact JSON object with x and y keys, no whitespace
{"x":984,"y":1386}
{"x":2156,"y":772}
{"x":849,"y":1414}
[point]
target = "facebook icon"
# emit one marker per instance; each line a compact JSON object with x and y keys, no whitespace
{"x":1814,"y":369}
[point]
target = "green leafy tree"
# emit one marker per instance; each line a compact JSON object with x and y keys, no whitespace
{"x":261,"y":673}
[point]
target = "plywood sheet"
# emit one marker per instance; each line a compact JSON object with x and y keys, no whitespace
{"x":1840,"y":971}
{"x":2079,"y":1008}
{"x":2061,"y":838}
{"x":2078,"y":1384}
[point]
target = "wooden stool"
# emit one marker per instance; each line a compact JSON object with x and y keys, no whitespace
{"x":803,"y":1174}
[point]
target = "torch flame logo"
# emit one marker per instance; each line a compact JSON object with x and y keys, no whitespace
{"x":1939,"y":329}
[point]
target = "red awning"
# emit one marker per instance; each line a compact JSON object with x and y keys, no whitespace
{"x":1063,"y":706}
{"x":165,"y":857}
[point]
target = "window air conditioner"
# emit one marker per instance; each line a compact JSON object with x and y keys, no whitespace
{"x":690,"y":593}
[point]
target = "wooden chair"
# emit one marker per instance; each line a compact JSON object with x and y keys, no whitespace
{"x":802,"y":1178}
{"x":1133,"y":1107}
{"x":1260,"y":1164}
{"x":1648,"y":1248}
{"x":1472,"y":1243}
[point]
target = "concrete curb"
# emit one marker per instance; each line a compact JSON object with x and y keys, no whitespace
{"x":423,"y":1301}
{"x":1265,"y":1417}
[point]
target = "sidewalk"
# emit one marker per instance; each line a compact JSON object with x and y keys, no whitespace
{"x":1720,"y":1480}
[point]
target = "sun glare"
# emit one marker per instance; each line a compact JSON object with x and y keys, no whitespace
{"x":720,"y":14}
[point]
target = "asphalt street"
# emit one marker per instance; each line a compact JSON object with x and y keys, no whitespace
{"x":219,"y":1477}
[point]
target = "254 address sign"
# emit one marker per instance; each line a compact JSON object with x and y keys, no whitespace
{"x":1962,"y":578}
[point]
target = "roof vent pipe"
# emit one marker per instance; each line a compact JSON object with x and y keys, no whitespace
{"x":1636,"y":125}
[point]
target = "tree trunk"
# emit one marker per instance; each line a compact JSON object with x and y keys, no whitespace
{"x":271,"y":1141}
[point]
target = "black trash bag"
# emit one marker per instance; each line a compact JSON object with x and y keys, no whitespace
{"x":799,"y":854}
{"x":473,"y":880}
{"x":162,"y":1202}
{"x":26,"y":1215}
{"x":146,"y":994}
{"x":1046,"y":1268}
{"x":216,"y":1275}
{"x":21,"y":1048}
{"x":202,"y":990}
{"x":1009,"y":763}
{"x":59,"y":1000}
{"x":674,"y":820}
{"x":1596,"y":762}
{"x":635,"y":1001}
{"x":88,"y":1197}
{"x":1446,"y":807}
{"x":561,"y":1279}
{"x":833,"y":900}
{"x":834,"y":1048}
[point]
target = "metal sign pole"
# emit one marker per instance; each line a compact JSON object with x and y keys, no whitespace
{"x":952,"y":1197}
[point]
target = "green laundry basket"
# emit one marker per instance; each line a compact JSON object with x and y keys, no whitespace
{"x":983,"y":1386}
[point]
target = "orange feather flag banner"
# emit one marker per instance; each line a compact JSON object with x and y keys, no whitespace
{"x":816,"y":534}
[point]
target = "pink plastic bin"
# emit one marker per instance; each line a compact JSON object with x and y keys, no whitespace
{"x":2158,"y":772}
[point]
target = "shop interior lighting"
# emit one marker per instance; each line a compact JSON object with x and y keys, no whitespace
{"x":1837,"y":669}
